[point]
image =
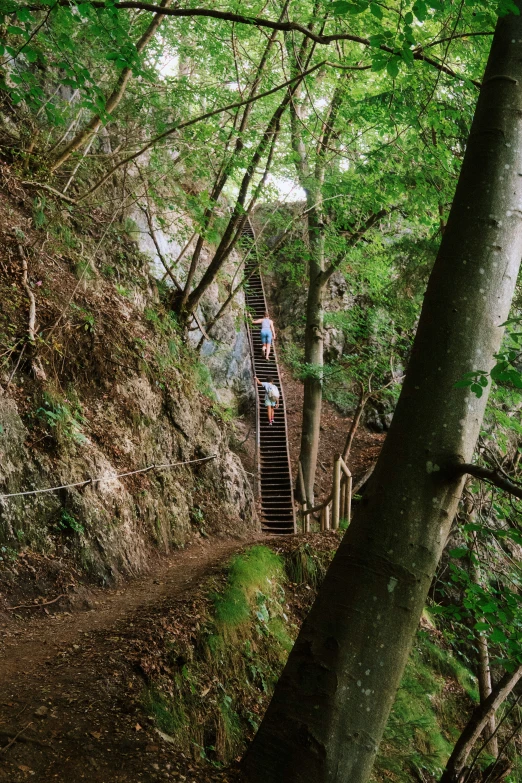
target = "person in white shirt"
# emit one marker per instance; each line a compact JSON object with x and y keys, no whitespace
{"x":271,"y":397}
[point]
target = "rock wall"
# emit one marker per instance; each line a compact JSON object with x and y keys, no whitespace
{"x":227,"y":353}
{"x":122,"y":392}
{"x":111,"y":525}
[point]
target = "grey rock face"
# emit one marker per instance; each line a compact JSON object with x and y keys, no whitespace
{"x":226,"y":353}
{"x":118,"y":520}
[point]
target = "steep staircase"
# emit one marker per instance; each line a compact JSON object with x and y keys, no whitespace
{"x":273,"y":458}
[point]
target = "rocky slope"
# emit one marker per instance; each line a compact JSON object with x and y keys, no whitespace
{"x":108,"y":386}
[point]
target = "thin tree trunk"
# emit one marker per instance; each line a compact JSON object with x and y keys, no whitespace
{"x":239,"y":214}
{"x":485,"y":688}
{"x":112,"y":102}
{"x":225,"y":174}
{"x":483,"y":668}
{"x":314,"y":345}
{"x":363,"y":399}
{"x":476,"y":725}
{"x":330,"y":707}
{"x":314,"y":335}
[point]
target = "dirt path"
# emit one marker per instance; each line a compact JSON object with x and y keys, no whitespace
{"x":70,"y":684}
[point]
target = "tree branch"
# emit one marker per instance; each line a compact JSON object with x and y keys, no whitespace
{"x":257,"y":21}
{"x":486,"y":474}
{"x":226,"y":169}
{"x":193,"y":121}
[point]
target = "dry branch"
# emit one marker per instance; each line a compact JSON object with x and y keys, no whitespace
{"x":35,"y":606}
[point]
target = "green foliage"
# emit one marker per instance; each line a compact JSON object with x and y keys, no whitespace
{"x":68,"y":522}
{"x":443,"y":661}
{"x":63,"y":417}
{"x":492,"y":606}
{"x":8,"y":554}
{"x":305,"y":565}
{"x":224,"y":413}
{"x":163,"y":321}
{"x":87,"y":319}
{"x":170,"y":717}
{"x":476,"y":381}
{"x":249,"y":574}
{"x":122,"y":290}
{"x":84,"y":270}
{"x":203,"y":380}
{"x":506,"y":371}
{"x":219,"y":683}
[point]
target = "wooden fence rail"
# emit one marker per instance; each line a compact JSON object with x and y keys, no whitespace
{"x":338,"y":504}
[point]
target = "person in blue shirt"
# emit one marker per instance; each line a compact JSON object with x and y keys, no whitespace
{"x":267,"y":333}
{"x":271,"y":397}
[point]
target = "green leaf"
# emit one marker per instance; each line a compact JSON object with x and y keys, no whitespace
{"x":420,"y":10}
{"x":376,"y":10}
{"x":23,"y":15}
{"x":341,"y":7}
{"x":31,"y":54}
{"x":379,"y":63}
{"x":459,"y":552}
{"x":498,"y":636}
{"x":392,"y":67}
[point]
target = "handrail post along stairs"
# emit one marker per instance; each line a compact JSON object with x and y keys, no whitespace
{"x":339,"y":502}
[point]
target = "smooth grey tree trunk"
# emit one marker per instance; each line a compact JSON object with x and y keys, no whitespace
{"x":312,"y":183}
{"x":330,"y":707}
{"x":313,"y":385}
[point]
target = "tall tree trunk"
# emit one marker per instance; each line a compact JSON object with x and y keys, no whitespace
{"x":112,"y":102}
{"x":313,"y":383}
{"x":224,"y":174}
{"x":330,"y":707}
{"x":314,"y":335}
{"x":239,"y":213}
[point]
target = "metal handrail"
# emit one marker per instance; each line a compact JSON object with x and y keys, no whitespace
{"x":258,"y":424}
{"x":281,"y":391}
{"x":258,"y":432}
